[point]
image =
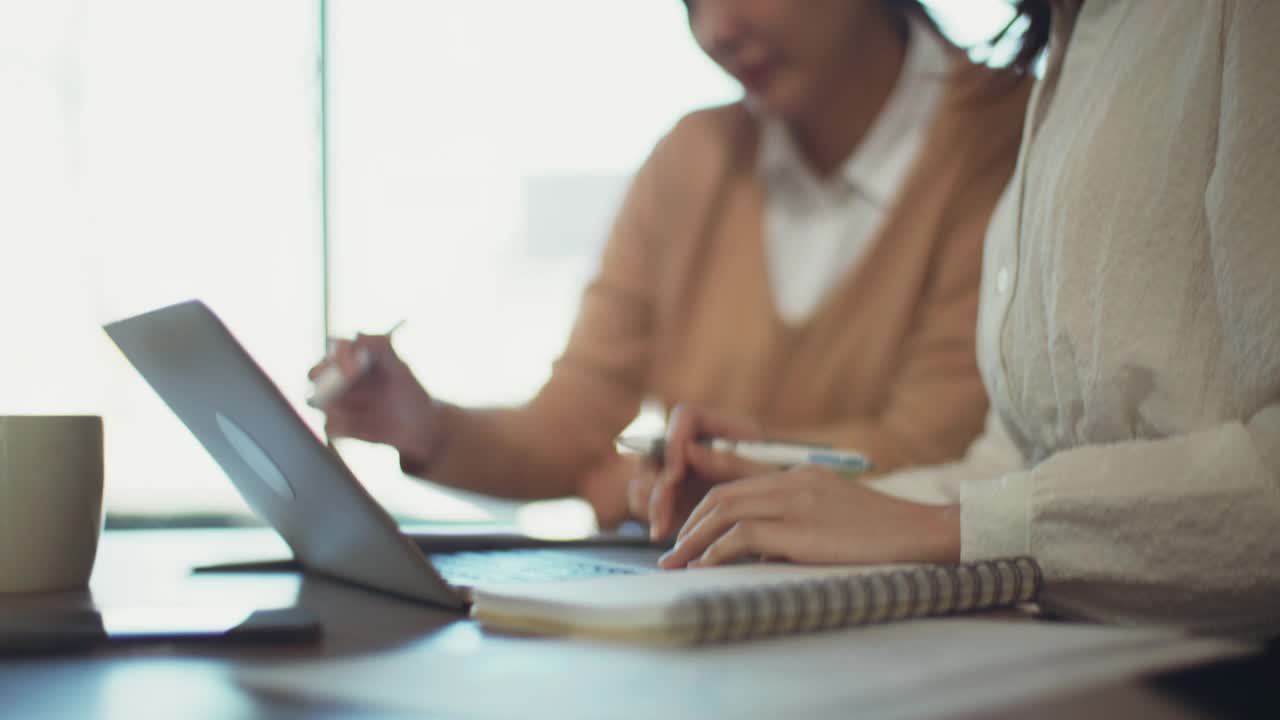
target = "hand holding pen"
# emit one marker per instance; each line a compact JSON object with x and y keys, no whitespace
{"x":691,"y":466}
{"x":367,"y":392}
{"x":346,"y":364}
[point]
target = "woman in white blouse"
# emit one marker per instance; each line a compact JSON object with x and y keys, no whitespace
{"x":1129,"y":338}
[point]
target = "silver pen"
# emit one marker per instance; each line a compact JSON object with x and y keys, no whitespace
{"x":777,"y":454}
{"x":330,"y":382}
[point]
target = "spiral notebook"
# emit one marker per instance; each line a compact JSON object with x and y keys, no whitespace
{"x":743,"y":602}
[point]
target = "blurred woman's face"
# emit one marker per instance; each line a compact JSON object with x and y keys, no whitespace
{"x":786,"y":53}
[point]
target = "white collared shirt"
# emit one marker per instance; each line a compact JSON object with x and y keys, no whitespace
{"x":817,"y":229}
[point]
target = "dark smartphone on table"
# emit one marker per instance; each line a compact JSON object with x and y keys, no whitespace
{"x":41,"y":630}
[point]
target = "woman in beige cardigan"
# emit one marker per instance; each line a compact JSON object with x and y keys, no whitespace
{"x":1129,"y":336}
{"x":808,"y":257}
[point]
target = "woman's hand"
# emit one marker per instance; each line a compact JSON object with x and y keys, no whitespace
{"x":385,"y":402}
{"x":618,"y":488}
{"x":812,"y":515}
{"x":689,"y":469}
{"x":643,"y":477}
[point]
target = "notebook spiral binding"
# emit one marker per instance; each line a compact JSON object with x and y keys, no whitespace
{"x":864,"y":599}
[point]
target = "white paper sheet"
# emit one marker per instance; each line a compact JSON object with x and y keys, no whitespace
{"x":925,"y":668}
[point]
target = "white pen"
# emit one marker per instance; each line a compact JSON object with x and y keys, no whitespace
{"x":330,"y":382}
{"x":779,"y":454}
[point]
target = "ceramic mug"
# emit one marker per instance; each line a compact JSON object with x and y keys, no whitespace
{"x":50,"y":501}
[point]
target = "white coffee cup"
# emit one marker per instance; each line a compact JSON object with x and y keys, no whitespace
{"x":50,"y":501}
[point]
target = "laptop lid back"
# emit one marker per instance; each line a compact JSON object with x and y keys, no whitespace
{"x":289,"y":477}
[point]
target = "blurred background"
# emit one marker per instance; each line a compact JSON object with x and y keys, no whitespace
{"x":314,"y":167}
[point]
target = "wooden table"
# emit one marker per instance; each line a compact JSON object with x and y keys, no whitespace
{"x":152,"y":567}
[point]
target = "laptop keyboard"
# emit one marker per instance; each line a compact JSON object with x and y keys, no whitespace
{"x":531,"y":565}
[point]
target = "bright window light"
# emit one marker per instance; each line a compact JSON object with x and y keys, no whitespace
{"x":153,"y":151}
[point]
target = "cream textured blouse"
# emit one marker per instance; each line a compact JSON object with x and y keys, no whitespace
{"x":1129,"y":323}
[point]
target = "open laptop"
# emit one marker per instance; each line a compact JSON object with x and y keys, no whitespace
{"x":299,"y":485}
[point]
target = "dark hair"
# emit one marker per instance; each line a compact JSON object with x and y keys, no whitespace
{"x":1031,"y":40}
{"x":1034,"y":37}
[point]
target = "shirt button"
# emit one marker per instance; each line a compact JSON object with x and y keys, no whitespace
{"x":1002,"y":280}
